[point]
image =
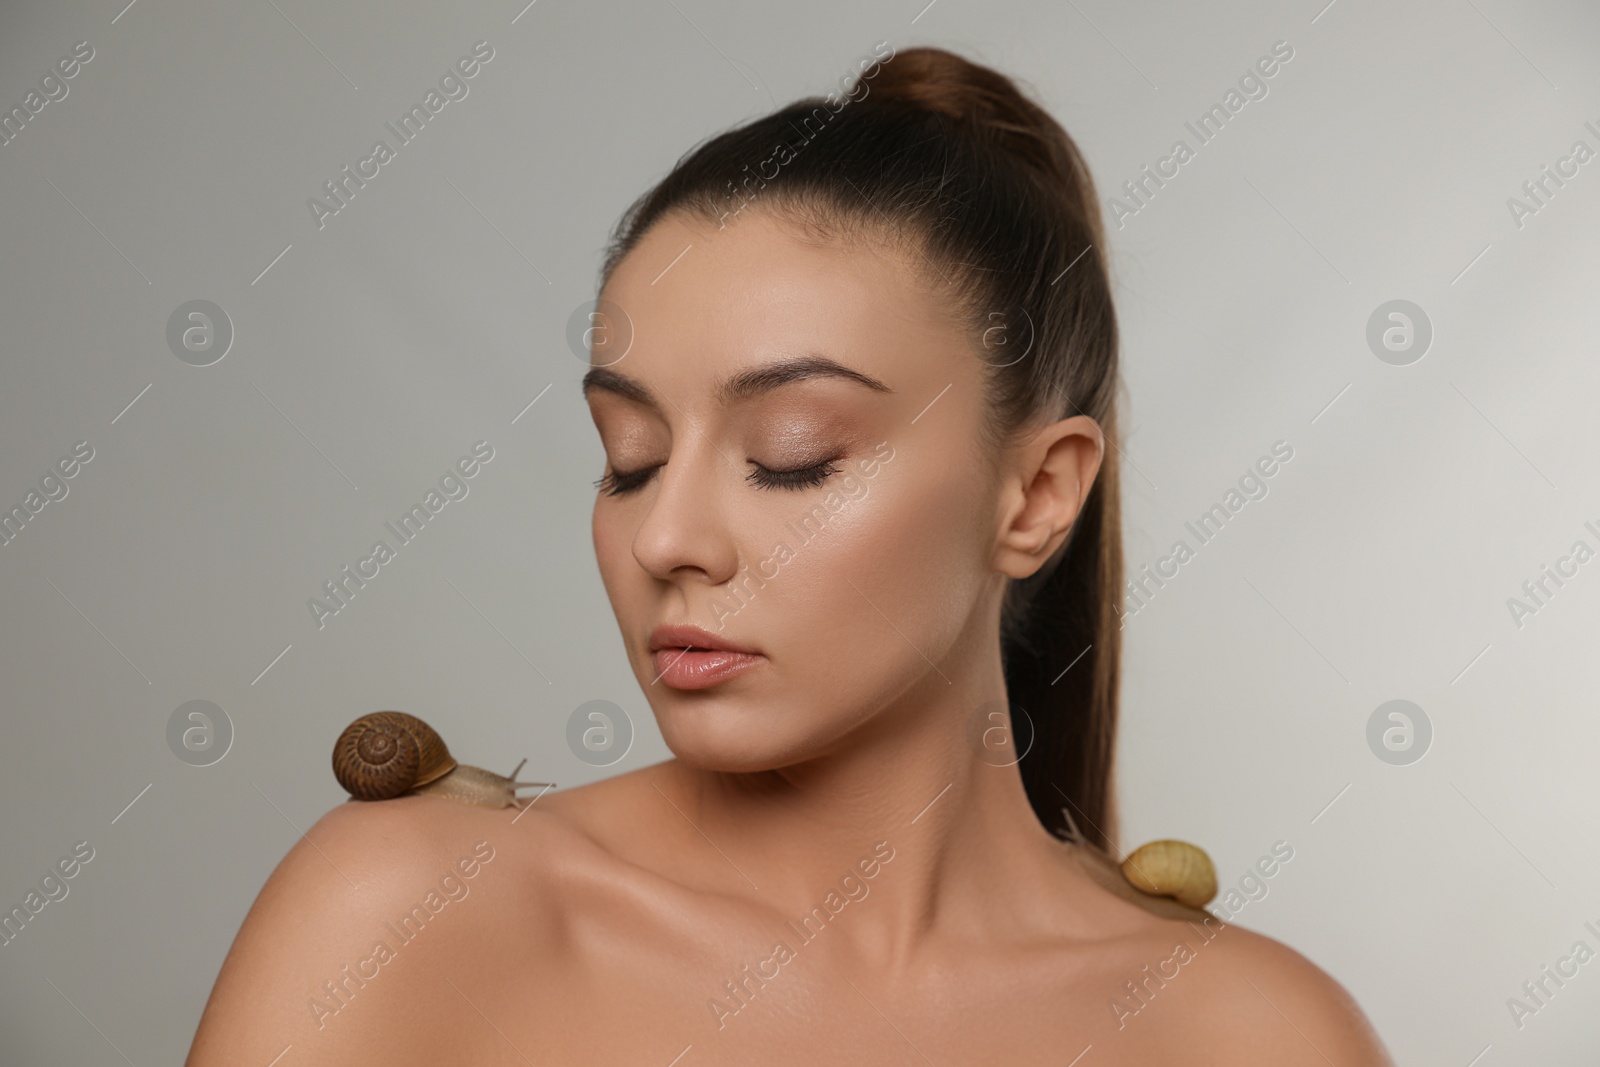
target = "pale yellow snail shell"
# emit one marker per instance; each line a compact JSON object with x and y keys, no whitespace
{"x":388,"y":754}
{"x":1175,"y":869}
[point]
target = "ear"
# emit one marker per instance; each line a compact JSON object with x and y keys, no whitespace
{"x":1046,"y":479}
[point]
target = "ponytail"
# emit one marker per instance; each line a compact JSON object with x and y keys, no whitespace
{"x":996,"y":195}
{"x":1061,"y":643}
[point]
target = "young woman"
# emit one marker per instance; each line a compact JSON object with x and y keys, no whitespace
{"x":859,"y":513}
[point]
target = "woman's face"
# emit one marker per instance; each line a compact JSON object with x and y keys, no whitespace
{"x":841,"y":525}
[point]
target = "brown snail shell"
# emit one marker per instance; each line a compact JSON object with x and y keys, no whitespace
{"x":387,"y":754}
{"x":1169,"y":868}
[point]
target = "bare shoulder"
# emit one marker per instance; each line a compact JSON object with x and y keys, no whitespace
{"x":1188,"y":987}
{"x":375,"y":909}
{"x":1255,"y":999}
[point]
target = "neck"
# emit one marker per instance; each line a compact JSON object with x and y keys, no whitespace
{"x":964,"y":848}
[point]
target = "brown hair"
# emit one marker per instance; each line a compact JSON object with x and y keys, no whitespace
{"x":948,"y":160}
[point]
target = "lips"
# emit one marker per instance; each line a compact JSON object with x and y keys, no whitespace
{"x":688,"y":657}
{"x":681,"y":637}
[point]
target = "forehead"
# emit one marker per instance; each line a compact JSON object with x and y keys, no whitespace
{"x":707,"y":302}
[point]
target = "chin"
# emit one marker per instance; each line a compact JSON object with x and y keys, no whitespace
{"x":718,"y":736}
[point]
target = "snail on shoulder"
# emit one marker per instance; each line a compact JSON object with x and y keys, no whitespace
{"x":386,"y":754}
{"x":1171,"y":878}
{"x":1171,"y":868}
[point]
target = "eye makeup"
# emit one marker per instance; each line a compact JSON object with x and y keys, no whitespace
{"x":620,"y":483}
{"x":799,"y":441}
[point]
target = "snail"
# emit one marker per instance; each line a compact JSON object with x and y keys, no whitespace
{"x":388,"y":754}
{"x":1175,"y":869}
{"x":1170,"y":878}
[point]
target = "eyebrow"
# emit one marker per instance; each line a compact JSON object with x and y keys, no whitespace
{"x":741,"y":385}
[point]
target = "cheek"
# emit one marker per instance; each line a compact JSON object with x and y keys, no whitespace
{"x":890,"y":581}
{"x":922,"y":563}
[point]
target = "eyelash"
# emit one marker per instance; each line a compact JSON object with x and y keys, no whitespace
{"x":617,"y":483}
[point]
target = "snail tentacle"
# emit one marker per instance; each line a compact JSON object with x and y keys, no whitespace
{"x":512,"y":778}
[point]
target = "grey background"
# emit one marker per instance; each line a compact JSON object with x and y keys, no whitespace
{"x":428,"y":314}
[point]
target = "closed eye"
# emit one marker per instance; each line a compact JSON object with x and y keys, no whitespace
{"x":620,"y":483}
{"x":799,"y":478}
{"x":617,"y":483}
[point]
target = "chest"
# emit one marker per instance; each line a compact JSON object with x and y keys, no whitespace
{"x":734,"y":997}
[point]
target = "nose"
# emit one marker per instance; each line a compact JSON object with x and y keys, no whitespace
{"x":684,"y":533}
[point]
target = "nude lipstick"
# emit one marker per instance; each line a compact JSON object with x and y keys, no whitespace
{"x":687,"y":657}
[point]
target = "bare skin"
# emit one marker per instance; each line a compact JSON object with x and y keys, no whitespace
{"x":659,"y":916}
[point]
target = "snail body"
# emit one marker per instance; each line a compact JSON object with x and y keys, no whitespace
{"x":387,"y":754}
